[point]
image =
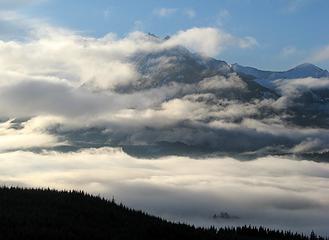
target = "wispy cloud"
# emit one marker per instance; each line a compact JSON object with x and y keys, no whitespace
{"x":191,"y":13}
{"x":291,"y":6}
{"x":222,"y":17}
{"x":9,"y":4}
{"x":164,"y":12}
{"x":321,"y":54}
{"x":138,"y":25}
{"x":288,"y":51}
{"x":107,"y":13}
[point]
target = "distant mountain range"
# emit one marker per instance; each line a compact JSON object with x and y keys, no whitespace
{"x":267,"y":78}
{"x":197,"y":74}
{"x":243,"y":110}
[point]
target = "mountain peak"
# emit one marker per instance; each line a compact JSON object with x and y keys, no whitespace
{"x":306,"y":70}
{"x":308,"y":66}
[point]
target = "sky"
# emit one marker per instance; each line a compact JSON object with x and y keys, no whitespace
{"x":80,"y":82}
{"x":285,"y":32}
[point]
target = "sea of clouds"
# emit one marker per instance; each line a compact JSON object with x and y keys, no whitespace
{"x":271,"y":191}
{"x":54,"y":81}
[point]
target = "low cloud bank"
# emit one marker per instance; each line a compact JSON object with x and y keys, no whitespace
{"x":271,"y":191}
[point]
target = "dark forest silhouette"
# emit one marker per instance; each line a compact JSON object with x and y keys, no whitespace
{"x":51,"y":214}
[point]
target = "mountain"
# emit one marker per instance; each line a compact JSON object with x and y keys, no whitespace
{"x":50,"y":214}
{"x":192,"y":72}
{"x":175,"y":64}
{"x":197,"y":105}
{"x":267,"y":78}
{"x":306,"y":86}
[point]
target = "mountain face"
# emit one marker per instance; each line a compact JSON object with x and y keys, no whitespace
{"x":175,"y":64}
{"x":193,"y":72}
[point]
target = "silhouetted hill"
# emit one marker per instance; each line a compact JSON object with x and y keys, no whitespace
{"x":50,"y":214}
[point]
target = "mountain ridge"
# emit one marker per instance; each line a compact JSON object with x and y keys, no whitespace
{"x":217,"y":109}
{"x":266,"y":77}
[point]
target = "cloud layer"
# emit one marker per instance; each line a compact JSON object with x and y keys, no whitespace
{"x":268,"y":191}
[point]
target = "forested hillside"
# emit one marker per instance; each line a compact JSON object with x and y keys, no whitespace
{"x":50,"y":214}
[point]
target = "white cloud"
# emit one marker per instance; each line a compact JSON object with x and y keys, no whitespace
{"x":209,"y":41}
{"x":220,"y":82}
{"x":168,"y":114}
{"x":311,"y":145}
{"x":32,"y":134}
{"x":95,"y":61}
{"x":61,"y":73}
{"x":49,"y":52}
{"x":164,"y":12}
{"x":294,"y":87}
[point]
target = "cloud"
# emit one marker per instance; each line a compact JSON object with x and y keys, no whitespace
{"x":30,"y":134}
{"x":65,"y":91}
{"x":288,"y":51}
{"x":61,"y":73}
{"x":9,"y":4}
{"x":321,"y":55}
{"x":195,"y":39}
{"x":295,"y":87}
{"x":221,"y":82}
{"x":148,"y":117}
{"x":311,"y":145}
{"x":138,"y":25}
{"x":107,"y":13}
{"x":107,"y":65}
{"x":292,"y":6}
{"x":190,"y":13}
{"x":168,"y":114}
{"x":164,"y":12}
{"x":12,"y":26}
{"x":268,"y":191}
{"x":209,"y":41}
{"x":247,"y":42}
{"x":222,"y":16}
{"x":101,"y":63}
